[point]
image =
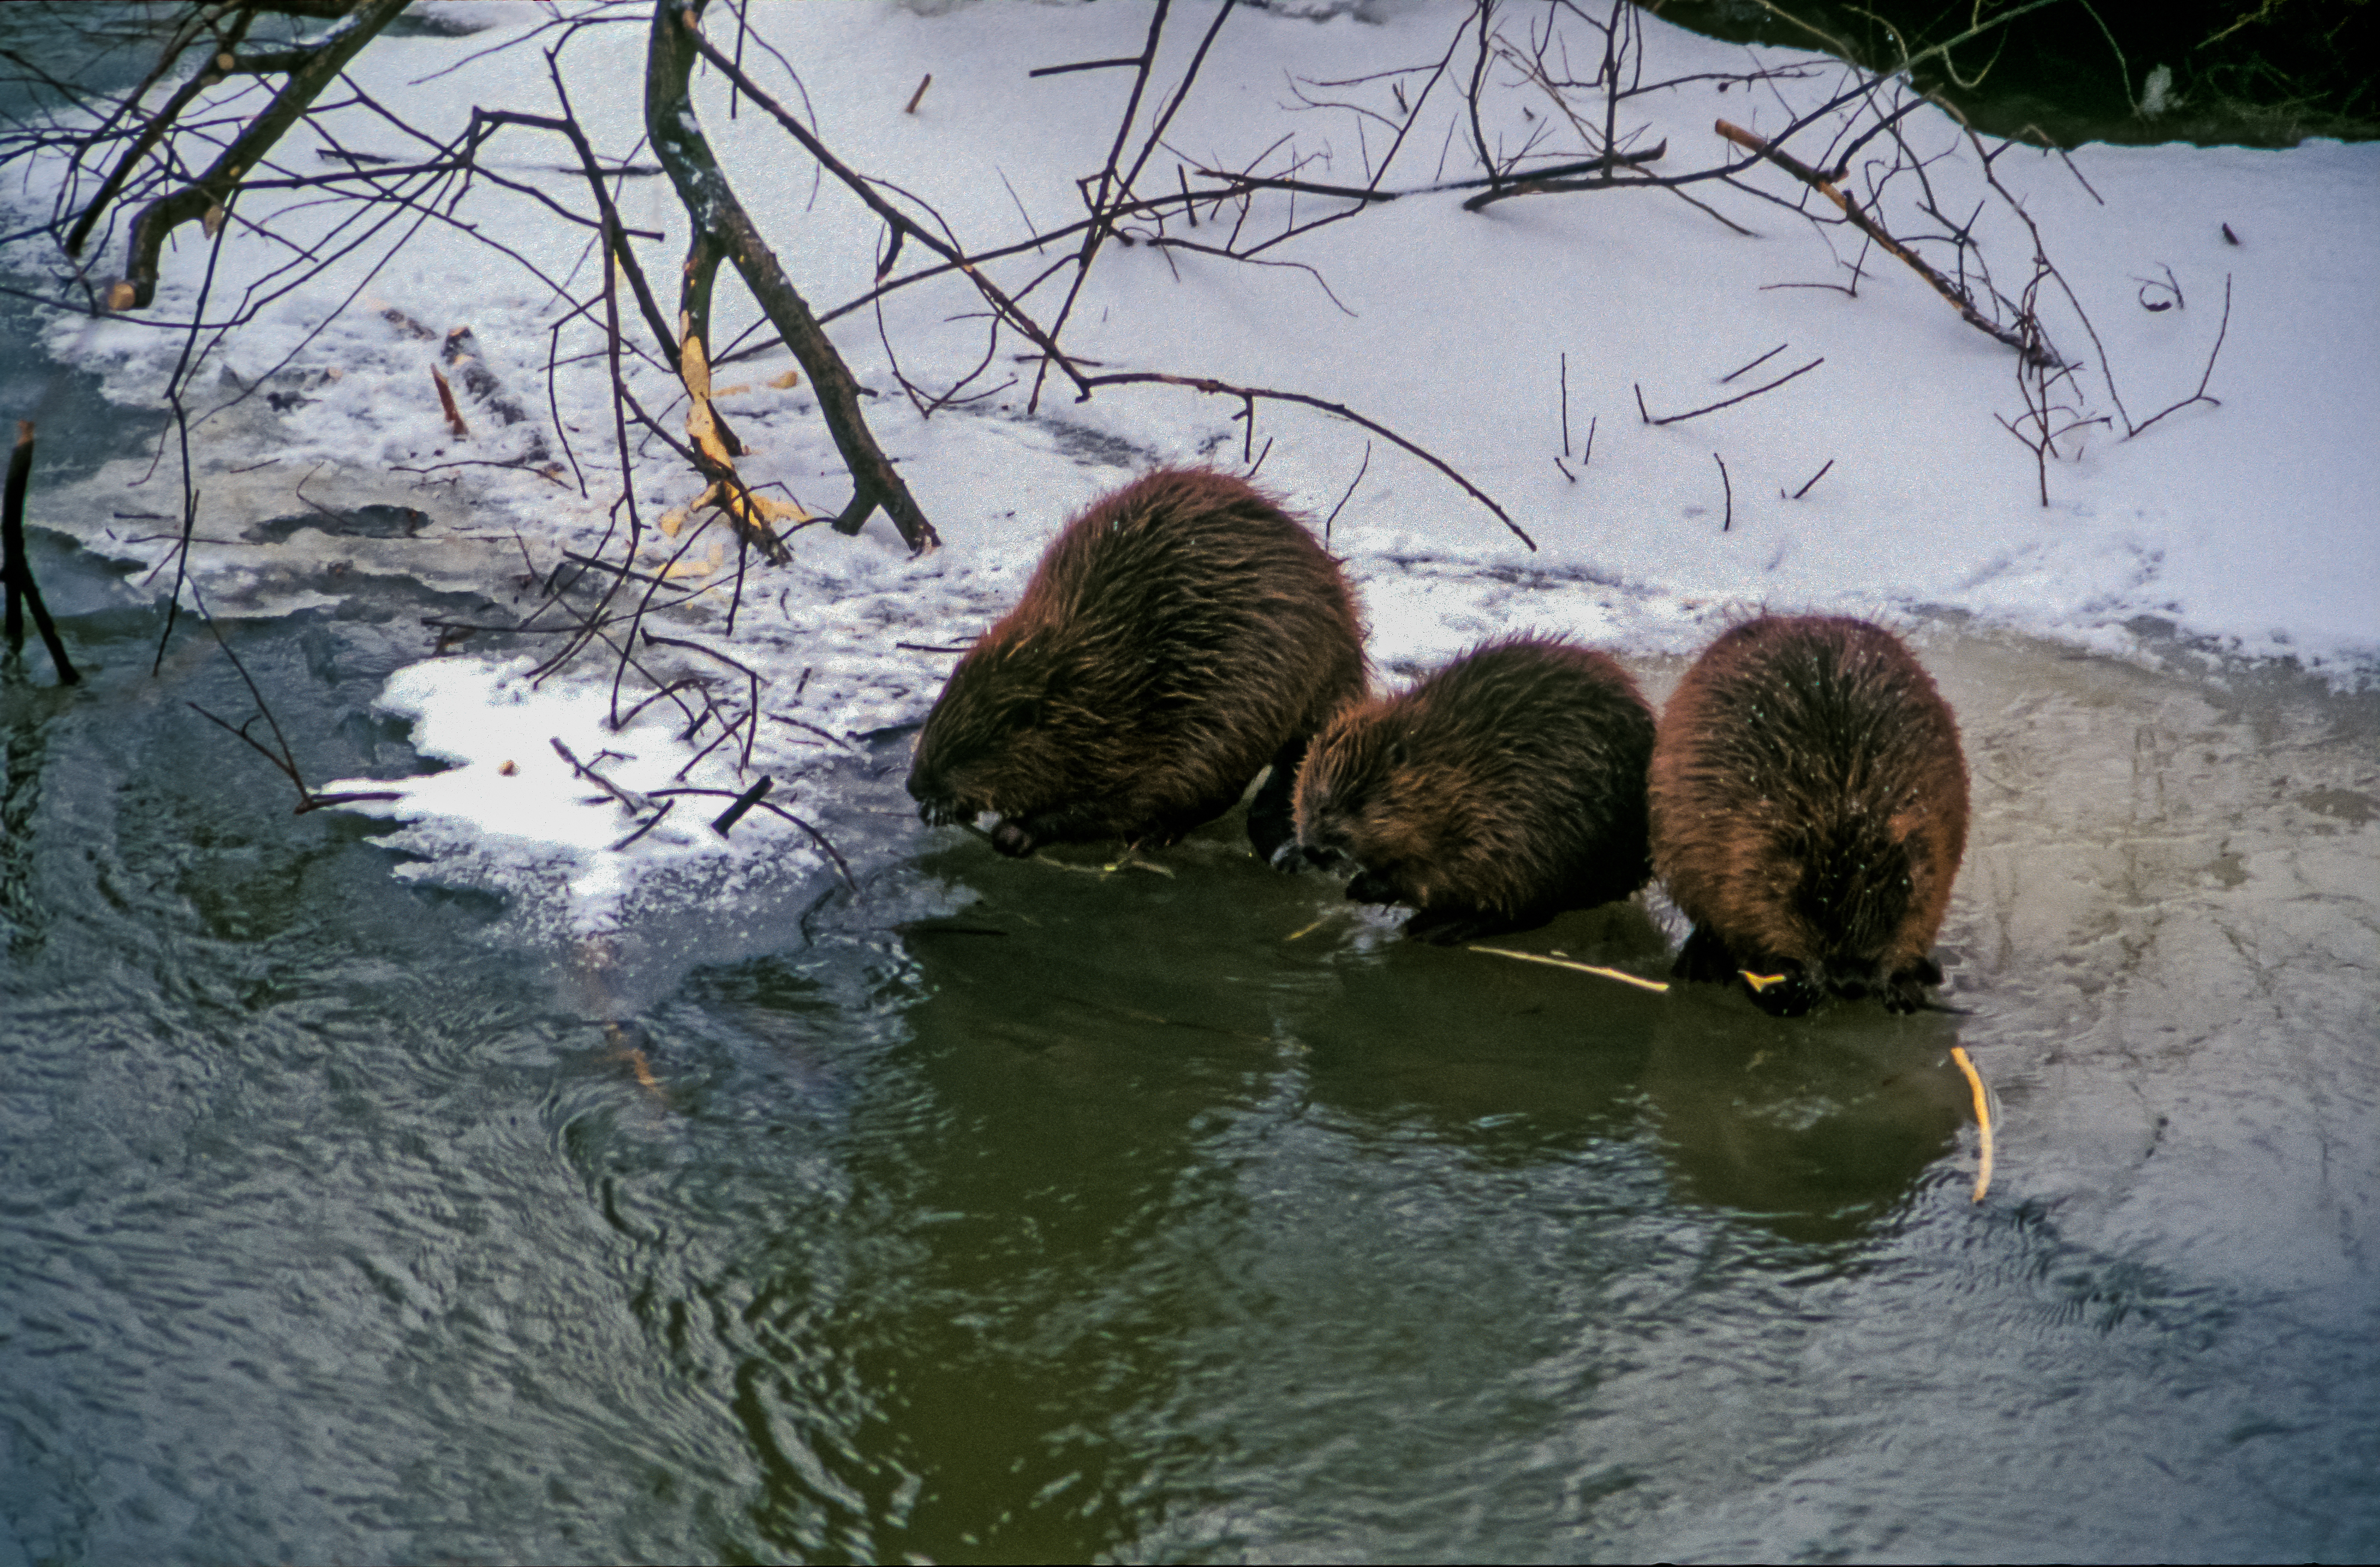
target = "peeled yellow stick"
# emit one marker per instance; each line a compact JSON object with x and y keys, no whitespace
{"x":1983,"y":1118}
{"x":1656,"y":986}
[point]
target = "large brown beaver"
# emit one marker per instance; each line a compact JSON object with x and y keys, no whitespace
{"x":1494,"y":793}
{"x":1176,"y":637}
{"x":1809,"y":803}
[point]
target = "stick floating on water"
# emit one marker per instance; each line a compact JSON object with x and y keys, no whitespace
{"x":1983,"y":1119}
{"x":1656,"y":986}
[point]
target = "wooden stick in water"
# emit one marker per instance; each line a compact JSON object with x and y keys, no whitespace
{"x":1656,"y":986}
{"x":16,"y":566}
{"x":1983,"y":1119}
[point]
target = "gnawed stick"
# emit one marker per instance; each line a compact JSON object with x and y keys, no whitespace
{"x":1656,"y":986}
{"x":1825,"y":186}
{"x":728,"y":819}
{"x":1983,"y":1119}
{"x":446,"y":405}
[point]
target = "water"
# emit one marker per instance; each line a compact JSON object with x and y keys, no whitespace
{"x":1012,"y":1211}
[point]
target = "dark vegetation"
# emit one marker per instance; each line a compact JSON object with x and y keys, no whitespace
{"x":2260,"y":73}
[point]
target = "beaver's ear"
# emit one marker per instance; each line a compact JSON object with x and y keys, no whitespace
{"x":1021,"y":713}
{"x":1396,"y":753}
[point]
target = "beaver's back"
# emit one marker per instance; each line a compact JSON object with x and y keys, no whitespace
{"x":1493,"y":794}
{"x":1809,"y":807}
{"x":1173,"y":639}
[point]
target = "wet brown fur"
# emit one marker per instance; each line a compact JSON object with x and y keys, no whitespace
{"x":1809,"y":811}
{"x":1494,"y":793}
{"x":1176,"y":637}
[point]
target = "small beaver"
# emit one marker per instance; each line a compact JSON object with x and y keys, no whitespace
{"x":1491,"y":796}
{"x":1177,"y":635}
{"x":1809,"y":803}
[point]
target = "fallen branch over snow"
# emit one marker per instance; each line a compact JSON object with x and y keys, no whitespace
{"x":1823,"y":184}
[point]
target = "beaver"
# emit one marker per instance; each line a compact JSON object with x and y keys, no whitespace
{"x":1176,"y":637}
{"x":1492,"y":794}
{"x":1809,"y":803}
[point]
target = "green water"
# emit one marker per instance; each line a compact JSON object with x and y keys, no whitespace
{"x":1004,"y":1211}
{"x":1007,"y":1211}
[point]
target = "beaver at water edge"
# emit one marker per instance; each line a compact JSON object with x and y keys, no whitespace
{"x":1177,"y":635}
{"x":1491,"y":796}
{"x":1809,"y":803}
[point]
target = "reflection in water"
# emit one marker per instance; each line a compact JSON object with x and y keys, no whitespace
{"x":1005,"y":1209}
{"x":1820,"y":1126}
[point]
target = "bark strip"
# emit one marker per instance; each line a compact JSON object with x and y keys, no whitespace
{"x":711,"y":202}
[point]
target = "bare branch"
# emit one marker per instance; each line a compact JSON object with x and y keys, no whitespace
{"x":1250,"y":393}
{"x":214,"y":188}
{"x":2200,"y":396}
{"x":677,"y":139}
{"x":1825,"y":186}
{"x":1740,"y":397}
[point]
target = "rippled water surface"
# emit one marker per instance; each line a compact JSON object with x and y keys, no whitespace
{"x":1006,"y":1210}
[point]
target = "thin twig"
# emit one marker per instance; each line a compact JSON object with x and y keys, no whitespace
{"x":1086,"y":65}
{"x":1249,"y":395}
{"x":628,"y":799}
{"x":1656,"y":986}
{"x":1350,"y":491}
{"x":1761,"y":360}
{"x":1814,"y":479}
{"x":816,"y":836}
{"x":650,"y":822}
{"x":830,"y":735}
{"x":1740,"y":397}
{"x":1565,"y":404}
{"x":278,"y":753}
{"x":1825,"y":184}
{"x":2200,"y":396}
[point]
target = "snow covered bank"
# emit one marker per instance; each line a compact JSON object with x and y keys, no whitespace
{"x":2251,"y":525}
